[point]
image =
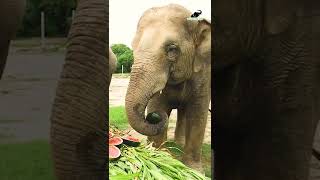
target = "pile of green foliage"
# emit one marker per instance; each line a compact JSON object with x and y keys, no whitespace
{"x":146,"y":162}
{"x":124,"y":57}
{"x":143,"y":161}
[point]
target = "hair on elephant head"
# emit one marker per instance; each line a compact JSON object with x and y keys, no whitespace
{"x":168,"y":49}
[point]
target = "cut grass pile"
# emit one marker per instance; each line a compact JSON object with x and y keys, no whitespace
{"x":26,"y":161}
{"x":119,"y":120}
{"x":206,"y":159}
{"x":147,"y":162}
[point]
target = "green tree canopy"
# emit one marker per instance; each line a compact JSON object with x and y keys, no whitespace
{"x":58,"y":15}
{"x":124,"y":57}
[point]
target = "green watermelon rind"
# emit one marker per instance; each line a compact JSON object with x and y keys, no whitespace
{"x":131,"y":141}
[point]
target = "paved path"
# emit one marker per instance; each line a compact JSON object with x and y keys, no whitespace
{"x":26,"y":94}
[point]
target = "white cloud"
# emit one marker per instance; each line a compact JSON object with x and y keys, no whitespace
{"x":125,"y":14}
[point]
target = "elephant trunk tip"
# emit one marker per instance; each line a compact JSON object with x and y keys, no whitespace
{"x":154,"y":117}
{"x":153,"y":124}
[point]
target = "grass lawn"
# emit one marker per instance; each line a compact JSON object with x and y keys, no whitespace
{"x":117,"y":118}
{"x":26,"y":161}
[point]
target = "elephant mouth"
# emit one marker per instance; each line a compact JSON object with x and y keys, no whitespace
{"x":174,"y":80}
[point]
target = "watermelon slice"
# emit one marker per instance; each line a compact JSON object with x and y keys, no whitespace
{"x":153,"y":118}
{"x":115,"y":141}
{"x":131,"y":141}
{"x":114,"y":152}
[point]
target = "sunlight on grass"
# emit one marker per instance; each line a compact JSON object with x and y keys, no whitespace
{"x":26,"y":161}
{"x":118,"y":117}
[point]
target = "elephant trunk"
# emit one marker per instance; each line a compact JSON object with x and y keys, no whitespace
{"x":79,"y":115}
{"x":143,"y":85}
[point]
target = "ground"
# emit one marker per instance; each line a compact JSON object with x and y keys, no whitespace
{"x":26,"y":94}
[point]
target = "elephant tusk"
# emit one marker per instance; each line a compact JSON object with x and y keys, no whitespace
{"x":161,"y":92}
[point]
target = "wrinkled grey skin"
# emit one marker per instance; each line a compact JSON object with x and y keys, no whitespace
{"x":266,"y":88}
{"x":12,"y":12}
{"x":112,"y":63}
{"x":171,"y":69}
{"x":79,"y":116}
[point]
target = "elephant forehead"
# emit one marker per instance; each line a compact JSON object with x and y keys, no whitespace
{"x":170,"y":14}
{"x":157,"y":36}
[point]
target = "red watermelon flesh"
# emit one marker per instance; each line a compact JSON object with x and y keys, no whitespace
{"x":115,"y":141}
{"x":131,"y":141}
{"x":114,"y":152}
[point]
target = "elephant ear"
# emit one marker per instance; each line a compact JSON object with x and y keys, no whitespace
{"x":202,"y":36}
{"x":279,"y":15}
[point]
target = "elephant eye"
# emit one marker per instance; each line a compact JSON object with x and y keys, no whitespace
{"x":172,"y":51}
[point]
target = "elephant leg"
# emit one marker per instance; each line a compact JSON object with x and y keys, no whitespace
{"x":179,"y":134}
{"x":196,"y":121}
{"x":158,"y":103}
{"x":4,"y":50}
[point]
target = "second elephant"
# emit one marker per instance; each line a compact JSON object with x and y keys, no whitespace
{"x":171,"y":70}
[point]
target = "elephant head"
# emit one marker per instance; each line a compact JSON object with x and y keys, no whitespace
{"x":168,"y":49}
{"x":79,"y":116}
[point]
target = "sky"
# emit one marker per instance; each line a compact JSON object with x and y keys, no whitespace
{"x":125,"y":14}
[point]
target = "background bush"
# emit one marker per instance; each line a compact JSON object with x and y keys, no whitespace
{"x":58,"y":15}
{"x":124,"y":57}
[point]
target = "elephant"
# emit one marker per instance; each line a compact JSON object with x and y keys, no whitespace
{"x":112,"y":64}
{"x":79,"y":117}
{"x":171,"y":70}
{"x":14,"y":9}
{"x":266,"y":88}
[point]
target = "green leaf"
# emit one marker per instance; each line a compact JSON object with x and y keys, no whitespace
{"x":124,"y":177}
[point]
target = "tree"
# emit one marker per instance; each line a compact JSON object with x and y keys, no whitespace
{"x":57,"y":17}
{"x":124,"y":57}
